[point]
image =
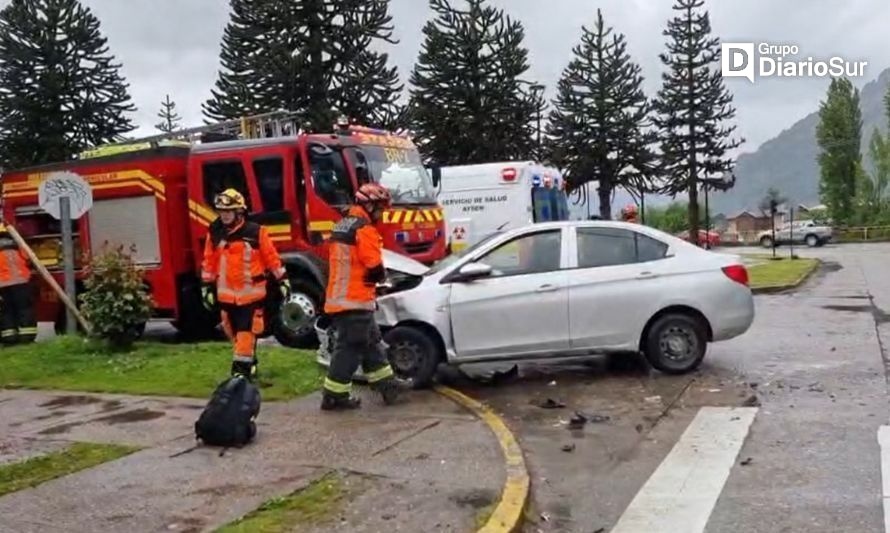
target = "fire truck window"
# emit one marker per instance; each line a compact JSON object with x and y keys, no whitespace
{"x":270,"y":180}
{"x":221,"y":176}
{"x":330,"y":179}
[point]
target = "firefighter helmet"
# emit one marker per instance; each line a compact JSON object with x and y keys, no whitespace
{"x":229,"y":200}
{"x":373,"y":193}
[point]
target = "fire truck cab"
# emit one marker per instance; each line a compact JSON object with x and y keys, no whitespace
{"x":156,"y":196}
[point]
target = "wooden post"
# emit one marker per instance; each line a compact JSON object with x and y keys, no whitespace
{"x":44,"y":273}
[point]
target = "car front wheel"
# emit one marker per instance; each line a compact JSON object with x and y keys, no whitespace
{"x":812,"y":241}
{"x":676,"y":343}
{"x":413,"y":355}
{"x":766,"y":242}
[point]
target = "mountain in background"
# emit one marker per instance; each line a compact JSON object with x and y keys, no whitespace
{"x":789,"y":161}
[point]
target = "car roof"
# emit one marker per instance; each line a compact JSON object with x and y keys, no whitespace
{"x":665,"y":237}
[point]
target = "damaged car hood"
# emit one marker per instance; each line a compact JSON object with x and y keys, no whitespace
{"x":401,"y":263}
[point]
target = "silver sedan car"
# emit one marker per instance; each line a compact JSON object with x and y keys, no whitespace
{"x":561,"y":290}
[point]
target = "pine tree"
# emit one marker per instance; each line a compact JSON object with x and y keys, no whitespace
{"x":170,"y":119}
{"x":237,"y":92}
{"x":469,"y":103}
{"x":691,"y":111}
{"x":60,"y":89}
{"x":600,"y":129}
{"x":839,"y":135}
{"x":311,"y":57}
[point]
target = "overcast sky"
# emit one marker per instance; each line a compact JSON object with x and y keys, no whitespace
{"x":172,"y":46}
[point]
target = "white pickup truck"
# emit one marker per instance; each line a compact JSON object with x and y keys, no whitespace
{"x":806,"y":232}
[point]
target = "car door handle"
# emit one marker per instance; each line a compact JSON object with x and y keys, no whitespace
{"x":547,"y":288}
{"x":647,"y":275}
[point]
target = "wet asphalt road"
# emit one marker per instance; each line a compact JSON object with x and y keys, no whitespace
{"x":814,"y":360}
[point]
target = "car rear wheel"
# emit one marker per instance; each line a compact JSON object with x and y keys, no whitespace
{"x":812,"y":240}
{"x":676,"y":343}
{"x":414,"y":356}
{"x":766,"y":242}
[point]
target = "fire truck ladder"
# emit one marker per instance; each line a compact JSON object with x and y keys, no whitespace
{"x":274,"y":124}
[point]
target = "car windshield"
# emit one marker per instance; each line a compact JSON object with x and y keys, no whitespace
{"x":402,"y":172}
{"x":451,"y":259}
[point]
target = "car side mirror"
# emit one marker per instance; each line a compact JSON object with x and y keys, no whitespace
{"x":472,"y":271}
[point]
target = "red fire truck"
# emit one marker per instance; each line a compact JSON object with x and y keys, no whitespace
{"x":155,"y":195}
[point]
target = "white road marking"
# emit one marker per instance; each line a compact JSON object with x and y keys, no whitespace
{"x":884,"y":441}
{"x":680,"y":495}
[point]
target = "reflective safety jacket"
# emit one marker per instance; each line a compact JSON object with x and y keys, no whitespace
{"x":237,"y":261}
{"x":14,"y":268}
{"x":356,"y":264}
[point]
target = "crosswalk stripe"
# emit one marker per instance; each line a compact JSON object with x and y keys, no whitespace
{"x":680,"y":495}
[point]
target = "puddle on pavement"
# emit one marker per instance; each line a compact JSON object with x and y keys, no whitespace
{"x":70,"y":401}
{"x":476,"y":498}
{"x":850,"y":308}
{"x":880,"y":316}
{"x":136,"y":415}
{"x":54,"y":414}
{"x":831,"y":266}
{"x":62,"y":428}
{"x":111,"y":405}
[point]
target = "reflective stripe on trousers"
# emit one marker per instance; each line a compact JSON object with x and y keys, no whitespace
{"x":337,"y":387}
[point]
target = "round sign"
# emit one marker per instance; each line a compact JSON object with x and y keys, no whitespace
{"x":58,"y":185}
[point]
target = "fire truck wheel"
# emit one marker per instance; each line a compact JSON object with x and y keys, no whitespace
{"x":293,"y":325}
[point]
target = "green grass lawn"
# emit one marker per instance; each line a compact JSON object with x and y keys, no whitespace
{"x":318,"y":503}
{"x":76,"y":457}
{"x":779,"y":272}
{"x":151,"y":368}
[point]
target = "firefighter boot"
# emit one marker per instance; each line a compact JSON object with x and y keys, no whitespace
{"x":390,"y":389}
{"x":246,"y":369}
{"x":339,"y":402}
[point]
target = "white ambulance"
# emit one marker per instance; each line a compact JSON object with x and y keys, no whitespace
{"x":482,"y":199}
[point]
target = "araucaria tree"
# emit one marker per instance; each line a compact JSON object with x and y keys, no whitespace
{"x":600,"y":128}
{"x":469,"y":102}
{"x":60,"y":89}
{"x":839,"y":135}
{"x":312,"y":57}
{"x":692,"y":111}
{"x":170,"y":119}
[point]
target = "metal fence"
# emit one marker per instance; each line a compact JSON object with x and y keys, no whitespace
{"x":852,"y":234}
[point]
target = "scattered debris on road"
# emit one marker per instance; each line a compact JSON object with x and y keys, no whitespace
{"x":751,"y":401}
{"x":550,"y":403}
{"x":652,"y":399}
{"x":746,"y":461}
{"x":816,"y":387}
{"x":577,"y":421}
{"x":639,"y":428}
{"x":568,"y":448}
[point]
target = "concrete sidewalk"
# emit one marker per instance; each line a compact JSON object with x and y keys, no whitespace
{"x":424,"y":465}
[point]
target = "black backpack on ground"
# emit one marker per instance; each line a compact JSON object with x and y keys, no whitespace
{"x":228,"y":419}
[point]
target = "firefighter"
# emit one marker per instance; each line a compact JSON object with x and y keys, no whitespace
{"x":237,"y":255}
{"x":356,"y":266}
{"x":18,"y":322}
{"x":629,"y":213}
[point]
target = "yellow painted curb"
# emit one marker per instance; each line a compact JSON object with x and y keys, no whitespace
{"x":514,"y":496}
